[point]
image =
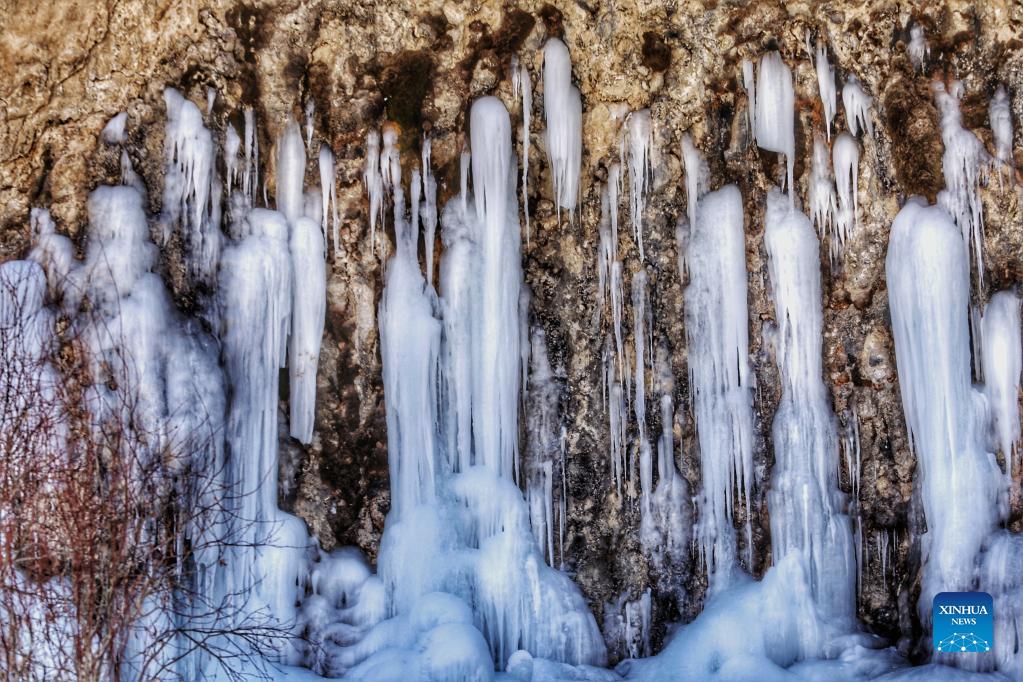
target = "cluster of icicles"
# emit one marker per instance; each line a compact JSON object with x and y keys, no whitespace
{"x":467,"y":585}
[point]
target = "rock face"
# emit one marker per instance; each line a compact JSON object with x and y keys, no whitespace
{"x":69,"y":66}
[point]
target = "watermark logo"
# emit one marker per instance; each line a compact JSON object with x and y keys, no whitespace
{"x":963,"y":622}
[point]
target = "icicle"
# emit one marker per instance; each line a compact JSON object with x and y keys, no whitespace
{"x":328,"y":195}
{"x":309,"y":306}
{"x":250,"y":182}
{"x":1000,"y":115}
{"x":191,"y":198}
{"x":496,"y":353}
{"x":614,"y":191}
{"x":291,"y":173}
{"x":640,"y":135}
{"x":605,"y":256}
{"x":775,"y":123}
{"x":429,"y":210}
{"x":720,"y":376}
{"x":696,"y":175}
{"x":857,"y":107}
{"x":846,"y":155}
{"x":826,"y":86}
{"x":928,"y":277}
{"x":1002,"y":360}
{"x":232,"y":145}
{"x":374,"y":183}
{"x":853,"y":466}
{"x":919,"y":50}
{"x":310,"y":111}
{"x":562,"y":106}
{"x":543,"y":435}
{"x":964,"y":165}
{"x":822,"y":194}
{"x":804,"y":501}
{"x":639,"y":300}
{"x":526,"y":86}
{"x":211,"y":99}
{"x":113,"y":131}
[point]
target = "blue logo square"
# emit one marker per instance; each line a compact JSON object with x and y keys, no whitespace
{"x":964,"y":622}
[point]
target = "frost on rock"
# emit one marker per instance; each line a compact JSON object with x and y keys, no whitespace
{"x":562,"y":106}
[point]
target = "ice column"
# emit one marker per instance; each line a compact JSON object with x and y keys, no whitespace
{"x":720,"y":377}
{"x":805,"y":502}
{"x":495,"y":353}
{"x":928,"y":275}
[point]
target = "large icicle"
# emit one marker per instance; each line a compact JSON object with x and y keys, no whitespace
{"x":562,"y":105}
{"x":495,"y":353}
{"x":804,"y":501}
{"x":1002,"y":360}
{"x":775,"y":102}
{"x":928,"y":275}
{"x":720,"y":376}
{"x":846,"y":156}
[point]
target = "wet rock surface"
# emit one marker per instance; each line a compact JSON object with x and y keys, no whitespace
{"x":69,"y":66}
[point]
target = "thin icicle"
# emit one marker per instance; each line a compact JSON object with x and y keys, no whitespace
{"x":640,"y":138}
{"x":374,"y":183}
{"x":328,"y":195}
{"x":526,"y":88}
{"x":428,"y":211}
{"x":826,"y":86}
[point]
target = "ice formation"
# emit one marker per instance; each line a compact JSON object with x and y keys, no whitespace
{"x":191,"y":195}
{"x":1000,"y":116}
{"x":821,"y":196}
{"x":1002,"y":361}
{"x":857,"y":105}
{"x":562,"y":105}
{"x":964,"y":165}
{"x":524,"y":86}
{"x":928,"y":275}
{"x":805,"y":502}
{"x":374,"y":183}
{"x":919,"y":50}
{"x":826,"y":86}
{"x":846,"y":156}
{"x":328,"y":195}
{"x":721,"y":380}
{"x":640,"y":137}
{"x":113,"y":131}
{"x":775,"y":111}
